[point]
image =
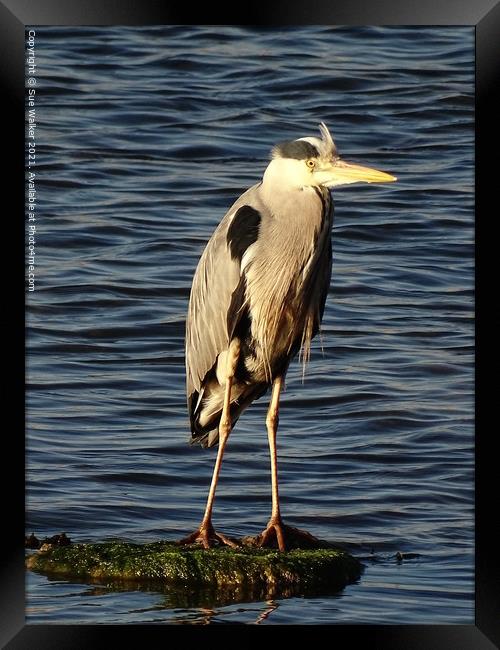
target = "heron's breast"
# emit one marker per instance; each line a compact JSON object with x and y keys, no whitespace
{"x":276,"y":328}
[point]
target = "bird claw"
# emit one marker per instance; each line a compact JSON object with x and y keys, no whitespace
{"x":271,"y":536}
{"x":279,"y":535}
{"x":208,"y":537}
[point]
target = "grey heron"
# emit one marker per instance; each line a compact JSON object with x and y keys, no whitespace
{"x":258,"y":297}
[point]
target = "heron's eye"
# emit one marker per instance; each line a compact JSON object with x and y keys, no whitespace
{"x":311,"y":164}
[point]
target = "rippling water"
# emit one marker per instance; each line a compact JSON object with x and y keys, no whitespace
{"x":145,"y":137}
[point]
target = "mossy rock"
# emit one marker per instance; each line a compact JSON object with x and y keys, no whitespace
{"x":201,"y":576}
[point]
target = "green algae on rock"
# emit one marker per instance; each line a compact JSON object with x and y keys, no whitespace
{"x":245,"y":571}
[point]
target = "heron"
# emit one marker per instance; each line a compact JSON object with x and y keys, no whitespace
{"x":257,"y":300}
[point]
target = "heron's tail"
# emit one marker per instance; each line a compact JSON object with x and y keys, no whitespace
{"x":205,"y":414}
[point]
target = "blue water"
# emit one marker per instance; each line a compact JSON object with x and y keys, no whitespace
{"x":145,"y":136}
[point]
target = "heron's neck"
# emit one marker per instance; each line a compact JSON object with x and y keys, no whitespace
{"x":281,"y":190}
{"x":292,"y":205}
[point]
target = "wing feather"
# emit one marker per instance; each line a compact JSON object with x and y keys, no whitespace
{"x":215,"y":280}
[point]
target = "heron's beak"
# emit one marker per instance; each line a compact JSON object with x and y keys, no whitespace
{"x":343,"y":173}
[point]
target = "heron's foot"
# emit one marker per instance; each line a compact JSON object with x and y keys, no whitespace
{"x":208,"y":537}
{"x":279,"y":535}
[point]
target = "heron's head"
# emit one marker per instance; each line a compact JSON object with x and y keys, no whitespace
{"x":315,"y":161}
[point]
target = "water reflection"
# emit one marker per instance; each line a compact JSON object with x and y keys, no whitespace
{"x":196,"y":597}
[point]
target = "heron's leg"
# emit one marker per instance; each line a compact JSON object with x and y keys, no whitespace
{"x":206,"y":532}
{"x":283,"y":535}
{"x":272,"y":420}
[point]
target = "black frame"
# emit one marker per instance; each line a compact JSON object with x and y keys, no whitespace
{"x":485,"y":16}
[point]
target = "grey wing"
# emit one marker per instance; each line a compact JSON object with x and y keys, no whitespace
{"x":216,"y":278}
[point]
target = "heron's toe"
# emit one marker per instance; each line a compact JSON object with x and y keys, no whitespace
{"x":279,"y":535}
{"x":208,"y":538}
